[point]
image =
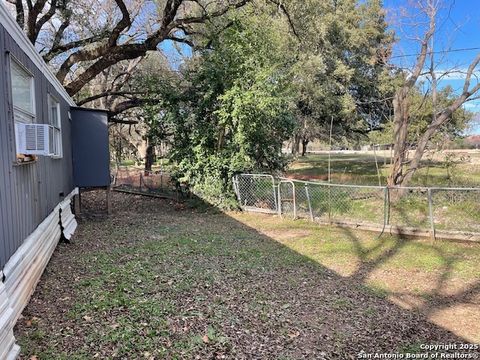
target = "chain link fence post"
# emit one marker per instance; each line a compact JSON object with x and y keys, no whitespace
{"x":329,"y":203}
{"x":307,"y":193}
{"x":294,"y":201}
{"x":279,"y":200}
{"x":386,"y":202}
{"x":236,"y":189}
{"x":274,"y":194}
{"x":430,"y":212}
{"x":388,"y":206}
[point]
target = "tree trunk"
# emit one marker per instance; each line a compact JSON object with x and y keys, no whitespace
{"x":221,"y":138}
{"x":149,"y":158}
{"x":400,"y":105}
{"x":295,"y":144}
{"x":400,"y":148}
{"x":421,"y":147}
{"x":305,"y":142}
{"x":432,"y":129}
{"x":118,"y":152}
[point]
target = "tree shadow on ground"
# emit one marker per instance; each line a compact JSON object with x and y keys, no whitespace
{"x":438,"y":295}
{"x":163,"y":280}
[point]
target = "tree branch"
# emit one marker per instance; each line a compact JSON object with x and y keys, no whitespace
{"x":113,"y":119}
{"x":33,"y":13}
{"x":282,"y":7}
{"x":20,"y":13}
{"x":43,"y":20}
{"x":109,"y":93}
{"x":420,"y":62}
{"x":132,"y":103}
{"x":123,"y":24}
{"x":106,"y":56}
{"x":180,"y":40}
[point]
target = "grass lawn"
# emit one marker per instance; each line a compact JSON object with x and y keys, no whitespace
{"x":159,"y":280}
{"x":441,"y":279}
{"x":360,"y":168}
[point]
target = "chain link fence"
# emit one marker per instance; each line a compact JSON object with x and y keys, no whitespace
{"x":437,"y":212}
{"x":256,"y":192}
{"x":155,"y":183}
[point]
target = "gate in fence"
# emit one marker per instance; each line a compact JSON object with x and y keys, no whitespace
{"x":256,"y":192}
{"x":437,"y":212}
{"x":287,"y":204}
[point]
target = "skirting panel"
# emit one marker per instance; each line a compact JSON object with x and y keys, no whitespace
{"x":8,"y":348}
{"x":24,"y":269}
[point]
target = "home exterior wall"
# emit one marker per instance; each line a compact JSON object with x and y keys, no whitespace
{"x":35,"y":198}
{"x":28,"y":192}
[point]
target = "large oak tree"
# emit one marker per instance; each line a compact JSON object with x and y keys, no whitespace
{"x":82,"y":39}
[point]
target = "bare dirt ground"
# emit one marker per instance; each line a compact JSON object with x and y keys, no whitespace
{"x":158,"y":280}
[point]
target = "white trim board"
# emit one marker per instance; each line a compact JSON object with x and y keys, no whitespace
{"x":22,"y":40}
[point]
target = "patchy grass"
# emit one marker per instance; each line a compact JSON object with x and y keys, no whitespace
{"x":158,"y":280}
{"x":324,"y":244}
{"x":429,"y":276}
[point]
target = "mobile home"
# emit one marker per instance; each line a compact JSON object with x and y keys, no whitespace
{"x":37,"y":181}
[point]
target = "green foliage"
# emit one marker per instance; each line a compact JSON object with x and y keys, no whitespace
{"x":421,"y":115}
{"x":255,"y":83}
{"x":233,"y":114}
{"x":341,"y":70}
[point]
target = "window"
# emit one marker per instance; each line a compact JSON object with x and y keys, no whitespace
{"x":33,"y":137}
{"x":54,"y":120}
{"x":22,"y":90}
{"x":23,"y":99}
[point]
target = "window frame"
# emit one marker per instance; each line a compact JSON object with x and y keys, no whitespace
{"x":20,"y":115}
{"x":57,"y":128}
{"x":24,"y":112}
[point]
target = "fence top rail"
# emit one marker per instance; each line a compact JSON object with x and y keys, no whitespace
{"x":425,"y":188}
{"x":456,"y":188}
{"x":323,"y":183}
{"x":256,"y":175}
{"x":285,"y":180}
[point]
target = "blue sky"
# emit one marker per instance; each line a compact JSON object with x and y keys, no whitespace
{"x":175,"y":52}
{"x":458,"y":28}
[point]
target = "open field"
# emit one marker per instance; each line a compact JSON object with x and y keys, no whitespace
{"x":450,"y":168}
{"x":162,"y":280}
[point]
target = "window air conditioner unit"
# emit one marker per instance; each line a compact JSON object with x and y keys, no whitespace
{"x":34,"y":139}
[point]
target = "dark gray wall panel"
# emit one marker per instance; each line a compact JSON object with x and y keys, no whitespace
{"x":91,"y":157}
{"x":28,"y":193}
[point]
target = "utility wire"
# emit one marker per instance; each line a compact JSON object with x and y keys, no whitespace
{"x":437,"y":52}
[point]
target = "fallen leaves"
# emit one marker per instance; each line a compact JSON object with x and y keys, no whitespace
{"x":294,"y":335}
{"x":200,"y":292}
